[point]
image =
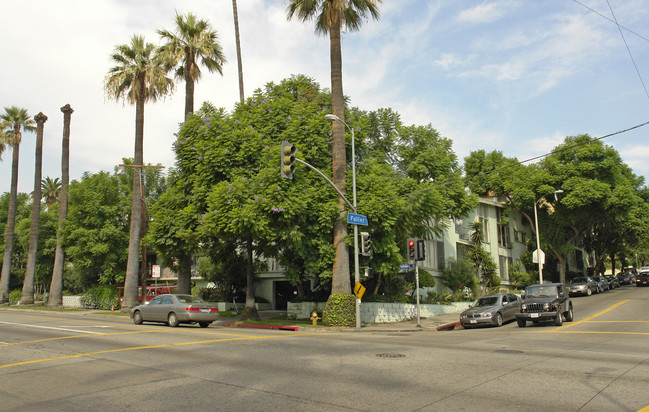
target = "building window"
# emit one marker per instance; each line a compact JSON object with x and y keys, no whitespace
{"x":439,"y":249}
{"x":504,"y":239}
{"x":504,"y":263}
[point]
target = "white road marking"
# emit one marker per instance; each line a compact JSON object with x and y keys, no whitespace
{"x":49,"y":327}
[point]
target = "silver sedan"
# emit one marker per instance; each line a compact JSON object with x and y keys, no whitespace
{"x":174,"y":309}
{"x":491,"y":310}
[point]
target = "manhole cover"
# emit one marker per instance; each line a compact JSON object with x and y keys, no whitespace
{"x":390,"y":355}
{"x":509,"y":351}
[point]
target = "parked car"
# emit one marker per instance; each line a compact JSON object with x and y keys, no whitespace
{"x":491,"y":310}
{"x":547,"y":301}
{"x":174,"y":309}
{"x":583,"y":285}
{"x":602,"y":282}
{"x":612,"y":280}
{"x":643,"y":277}
{"x":626,"y":277}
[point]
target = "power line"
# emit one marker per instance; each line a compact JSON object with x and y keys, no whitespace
{"x":612,"y":21}
{"x":628,"y":50}
{"x":470,"y":178}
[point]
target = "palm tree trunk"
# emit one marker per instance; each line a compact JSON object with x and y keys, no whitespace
{"x":189,"y":87}
{"x":11,"y":222}
{"x":340,"y":278}
{"x":30,"y":271}
{"x":56,"y":287}
{"x":238,"y":44}
{"x":132,"y":264}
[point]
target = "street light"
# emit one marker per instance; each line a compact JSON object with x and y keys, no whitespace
{"x":332,"y":118}
{"x":538,"y":235}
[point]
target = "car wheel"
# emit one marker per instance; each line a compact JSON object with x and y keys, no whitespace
{"x":137,"y":317}
{"x":204,"y":324}
{"x":172,"y":320}
{"x":589,"y":292}
{"x":499,"y":320}
{"x":558,"y":321}
{"x":569,"y":314}
{"x":521,"y":323}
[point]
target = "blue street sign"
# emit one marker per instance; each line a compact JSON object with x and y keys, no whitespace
{"x":406,"y":266}
{"x":355,"y":219}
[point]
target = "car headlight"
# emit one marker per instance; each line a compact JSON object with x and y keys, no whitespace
{"x":462,"y":316}
{"x":486,"y":314}
{"x":523,"y":307}
{"x":546,"y":306}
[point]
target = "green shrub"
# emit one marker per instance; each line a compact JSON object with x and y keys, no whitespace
{"x":426,"y":280}
{"x":459,"y":274}
{"x":339,"y":310}
{"x":15,"y":296}
{"x":100,"y":297}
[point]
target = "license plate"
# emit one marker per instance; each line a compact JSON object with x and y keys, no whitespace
{"x":534,"y":315}
{"x":473,"y":321}
{"x":205,"y":310}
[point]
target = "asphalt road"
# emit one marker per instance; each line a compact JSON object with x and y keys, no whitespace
{"x":77,"y":362}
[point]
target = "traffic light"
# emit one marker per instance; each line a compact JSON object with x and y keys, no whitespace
{"x":421,"y":250}
{"x":365,"y":244}
{"x":412,"y":249}
{"x":288,"y":160}
{"x":369,"y":273}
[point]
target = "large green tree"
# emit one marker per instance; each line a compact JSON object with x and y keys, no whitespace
{"x":16,"y":120}
{"x":331,"y":17}
{"x":193,"y":43}
{"x":139,"y":75}
{"x":30,"y":270}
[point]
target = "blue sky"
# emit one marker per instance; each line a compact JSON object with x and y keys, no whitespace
{"x":511,"y":75}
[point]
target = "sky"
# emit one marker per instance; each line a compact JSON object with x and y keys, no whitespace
{"x":516,"y":76}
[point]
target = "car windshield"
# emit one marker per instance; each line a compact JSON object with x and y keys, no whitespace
{"x":541,"y":291}
{"x":580,"y":280}
{"x":486,"y":301}
{"x":189,"y":299}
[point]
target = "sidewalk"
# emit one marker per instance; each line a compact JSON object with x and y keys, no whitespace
{"x":436,"y":323}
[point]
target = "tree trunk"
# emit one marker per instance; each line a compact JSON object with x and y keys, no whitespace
{"x":132,"y":265}
{"x":189,"y":87}
{"x":340,"y":277}
{"x":56,"y":287}
{"x":238,"y":44}
{"x":184,"y":284}
{"x":250,"y":311}
{"x":30,"y":271}
{"x":11,"y":221}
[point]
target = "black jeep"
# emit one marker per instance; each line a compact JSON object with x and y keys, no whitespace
{"x":549,"y":301}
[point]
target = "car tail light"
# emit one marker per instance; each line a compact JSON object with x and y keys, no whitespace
{"x":214,"y":309}
{"x":192,"y":309}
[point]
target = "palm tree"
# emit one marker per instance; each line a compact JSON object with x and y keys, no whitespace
{"x":16,"y":120}
{"x":238,"y":44}
{"x":56,"y":286}
{"x":139,"y":75}
{"x":194,"y":40}
{"x":30,"y":270}
{"x":331,"y":16}
{"x":50,"y":189}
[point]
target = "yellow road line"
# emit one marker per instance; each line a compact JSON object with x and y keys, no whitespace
{"x":167,"y":345}
{"x":591,"y":317}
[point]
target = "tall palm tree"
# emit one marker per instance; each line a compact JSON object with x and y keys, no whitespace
{"x":331,"y":16}
{"x":238,"y":44}
{"x":139,"y":76}
{"x":16,"y":120}
{"x":50,"y":190}
{"x":30,"y":270}
{"x":55,"y":298}
{"x":193,"y":41}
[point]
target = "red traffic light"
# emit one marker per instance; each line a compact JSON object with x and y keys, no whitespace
{"x":411,"y":243}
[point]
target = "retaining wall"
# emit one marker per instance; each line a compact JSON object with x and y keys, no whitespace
{"x":377,"y":312}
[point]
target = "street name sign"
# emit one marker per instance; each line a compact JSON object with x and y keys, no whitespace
{"x":356,"y":219}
